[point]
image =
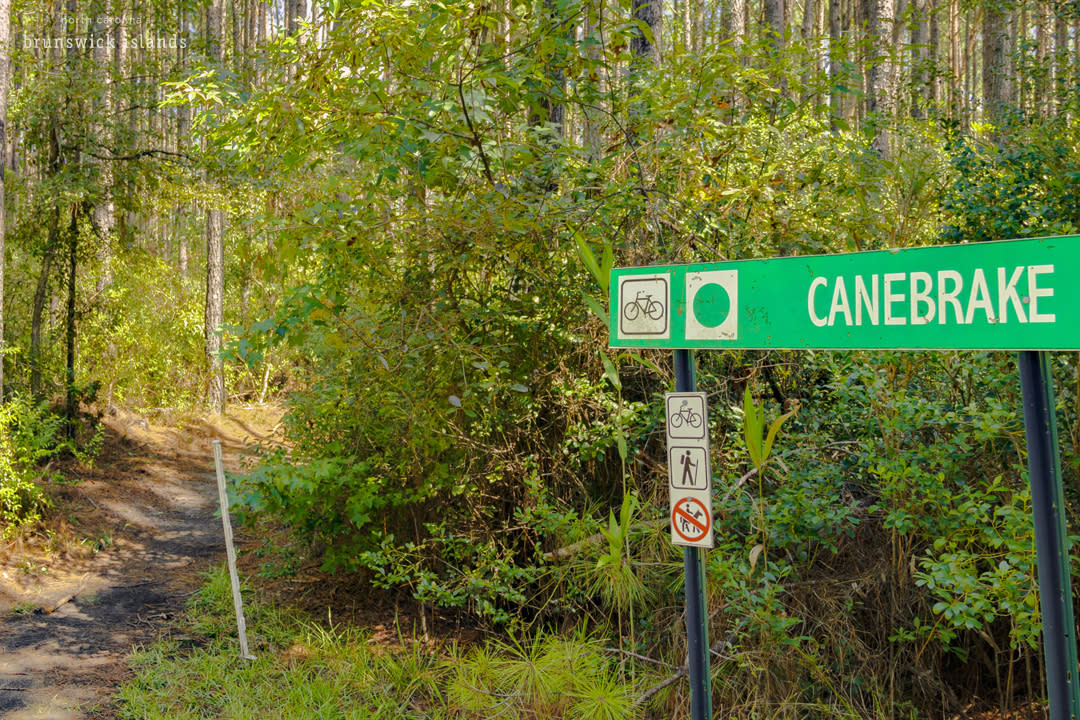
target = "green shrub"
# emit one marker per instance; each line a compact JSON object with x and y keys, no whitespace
{"x":29,"y":433}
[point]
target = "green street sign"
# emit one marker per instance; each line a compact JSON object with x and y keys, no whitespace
{"x":1008,"y":295}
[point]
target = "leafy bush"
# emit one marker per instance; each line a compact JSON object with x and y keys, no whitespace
{"x":29,"y":433}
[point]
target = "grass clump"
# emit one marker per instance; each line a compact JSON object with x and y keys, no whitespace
{"x":307,"y":670}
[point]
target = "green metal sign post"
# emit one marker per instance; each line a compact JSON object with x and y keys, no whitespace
{"x":1019,"y":295}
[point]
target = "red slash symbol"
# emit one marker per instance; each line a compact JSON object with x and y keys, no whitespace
{"x":690,"y":520}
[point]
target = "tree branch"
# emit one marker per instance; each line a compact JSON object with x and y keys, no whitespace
{"x":475,"y":137}
{"x":133,"y":156}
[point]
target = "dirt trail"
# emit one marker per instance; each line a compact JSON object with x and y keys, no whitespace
{"x":74,"y":609}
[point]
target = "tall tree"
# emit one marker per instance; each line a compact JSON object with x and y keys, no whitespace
{"x":642,"y":46}
{"x":5,"y":78}
{"x":736,"y":22}
{"x":774,"y":23}
{"x":837,"y":51}
{"x":215,"y":250}
{"x":104,"y":208}
{"x":880,"y":71}
{"x":995,"y":48}
{"x":1061,"y":57}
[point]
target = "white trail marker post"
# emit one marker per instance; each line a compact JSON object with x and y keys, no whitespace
{"x":230,"y":552}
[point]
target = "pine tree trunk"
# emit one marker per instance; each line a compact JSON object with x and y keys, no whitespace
{"x":104,"y":209}
{"x":69,"y":322}
{"x":836,"y":109}
{"x":647,"y":11}
{"x":215,"y":255}
{"x":699,"y":26}
{"x":995,"y":46}
{"x":737,"y":22}
{"x":808,"y":20}
{"x":920,"y":74}
{"x":5,"y":80}
{"x":774,"y":24}
{"x":38,"y":305}
{"x":931,"y":55}
{"x":879,"y":71}
{"x":1061,"y":58}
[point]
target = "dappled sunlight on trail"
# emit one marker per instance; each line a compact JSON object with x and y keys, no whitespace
{"x":138,"y":529}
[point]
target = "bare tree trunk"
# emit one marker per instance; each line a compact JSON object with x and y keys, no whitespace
{"x":647,"y":11}
{"x":215,"y":255}
{"x":69,"y":322}
{"x":920,"y":72}
{"x":808,"y":20}
{"x":1021,"y":94}
{"x":260,"y":25}
{"x":699,"y":26}
{"x":933,"y":9}
{"x":104,"y":209}
{"x":879,"y":72}
{"x":1040,"y":92}
{"x":774,"y":24}
{"x":737,"y":22}
{"x":1061,"y":58}
{"x":954,"y":60}
{"x":38,"y":305}
{"x":836,"y":109}
{"x":5,"y":79}
{"x":995,"y":46}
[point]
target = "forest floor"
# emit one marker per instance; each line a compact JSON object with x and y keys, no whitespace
{"x":124,"y":547}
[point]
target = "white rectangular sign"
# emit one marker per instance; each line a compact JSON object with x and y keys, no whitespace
{"x":689,"y":475}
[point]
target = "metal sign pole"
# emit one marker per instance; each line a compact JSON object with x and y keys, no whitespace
{"x":1052,"y":553}
{"x":697,"y":628}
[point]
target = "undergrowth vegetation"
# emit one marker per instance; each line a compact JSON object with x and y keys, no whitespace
{"x":313,"y":670}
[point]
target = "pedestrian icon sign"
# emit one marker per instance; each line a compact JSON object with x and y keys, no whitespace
{"x":644,"y":306}
{"x":689,"y":467}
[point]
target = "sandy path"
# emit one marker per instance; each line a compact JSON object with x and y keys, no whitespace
{"x":152,"y":502}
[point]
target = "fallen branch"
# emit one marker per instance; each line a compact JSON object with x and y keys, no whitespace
{"x":738,"y":484}
{"x":681,"y":672}
{"x":61,"y":602}
{"x":660,"y":686}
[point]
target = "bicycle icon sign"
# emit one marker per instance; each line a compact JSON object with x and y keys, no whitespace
{"x":686,"y":416}
{"x":643,"y":303}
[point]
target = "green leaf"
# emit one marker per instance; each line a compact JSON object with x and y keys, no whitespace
{"x":773,"y":430}
{"x":640,"y":359}
{"x":597,"y":309}
{"x":606,"y":263}
{"x":611,"y":373}
{"x":752,"y":426}
{"x":589,"y":258}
